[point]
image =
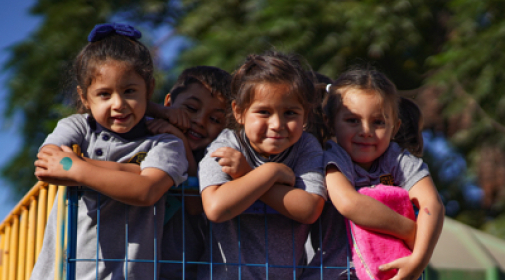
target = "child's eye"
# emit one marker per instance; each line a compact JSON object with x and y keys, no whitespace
{"x":191,"y":108}
{"x":263,"y":112}
{"x":380,"y":122}
{"x":129,"y":91}
{"x":352,"y":120}
{"x":291,"y":113}
{"x":104,"y":94}
{"x":215,"y":120}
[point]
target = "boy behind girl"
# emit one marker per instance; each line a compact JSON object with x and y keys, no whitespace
{"x":197,"y":107}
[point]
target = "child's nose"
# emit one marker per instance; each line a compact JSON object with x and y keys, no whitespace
{"x":276,"y":122}
{"x":118,"y":102}
{"x":366,"y":129}
{"x":199,"y":119}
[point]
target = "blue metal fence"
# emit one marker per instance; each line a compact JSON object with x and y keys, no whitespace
{"x":156,"y":261}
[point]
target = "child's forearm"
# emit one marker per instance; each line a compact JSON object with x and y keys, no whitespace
{"x":374,"y":215}
{"x":136,"y":189}
{"x":155,"y":110}
{"x":112,"y":165}
{"x":294,"y":203}
{"x":429,"y":227}
{"x":429,"y":220}
{"x":224,"y":202}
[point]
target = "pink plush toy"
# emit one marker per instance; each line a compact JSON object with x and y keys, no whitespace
{"x":371,"y":249}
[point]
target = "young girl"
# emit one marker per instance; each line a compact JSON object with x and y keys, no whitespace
{"x":268,"y":173}
{"x":362,"y":114}
{"x":114,"y":76}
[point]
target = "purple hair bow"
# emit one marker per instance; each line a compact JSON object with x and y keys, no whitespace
{"x":101,"y":31}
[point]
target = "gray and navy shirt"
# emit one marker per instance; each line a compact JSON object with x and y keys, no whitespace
{"x":121,"y":226}
{"x":261,"y":235}
{"x":396,"y":167}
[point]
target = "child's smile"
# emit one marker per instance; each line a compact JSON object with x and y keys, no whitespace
{"x":274,"y":120}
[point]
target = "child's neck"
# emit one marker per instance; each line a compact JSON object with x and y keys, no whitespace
{"x":138,"y":131}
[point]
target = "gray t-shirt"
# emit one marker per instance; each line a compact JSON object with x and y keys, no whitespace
{"x":395,"y":167}
{"x":121,"y":225}
{"x":261,"y":235}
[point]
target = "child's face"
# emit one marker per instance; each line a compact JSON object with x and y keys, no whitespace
{"x":274,"y":120}
{"x":117,"y":96}
{"x":206,"y":112}
{"x":362,"y":127}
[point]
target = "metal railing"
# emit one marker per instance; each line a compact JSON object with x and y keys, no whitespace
{"x":22,"y":235}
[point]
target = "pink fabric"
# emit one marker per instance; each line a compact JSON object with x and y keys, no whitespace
{"x":372,"y":249}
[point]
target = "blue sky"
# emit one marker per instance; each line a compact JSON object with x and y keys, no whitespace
{"x":15,"y":25}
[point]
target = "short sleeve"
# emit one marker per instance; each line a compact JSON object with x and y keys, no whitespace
{"x":68,"y":131}
{"x":309,"y":168}
{"x":336,"y":155}
{"x":168,"y":154}
{"x":209,"y":170}
{"x":408,"y":169}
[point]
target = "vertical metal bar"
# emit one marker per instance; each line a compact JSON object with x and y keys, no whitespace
{"x":183,"y":213}
{"x":32,"y":227}
{"x":266,"y":241}
{"x":41,"y":220}
{"x":2,"y":249}
{"x":13,"y":251}
{"x":6,"y":253}
{"x":97,"y":233}
{"x":23,"y":228}
{"x":71,"y":233}
{"x":60,"y":233}
{"x":127,"y":228}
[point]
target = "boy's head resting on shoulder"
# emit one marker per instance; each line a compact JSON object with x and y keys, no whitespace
{"x":204,"y":93}
{"x":114,"y":77}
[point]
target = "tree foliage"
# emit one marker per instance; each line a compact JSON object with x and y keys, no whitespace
{"x":445,"y":53}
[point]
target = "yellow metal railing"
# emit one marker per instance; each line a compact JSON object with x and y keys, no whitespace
{"x":22,"y":231}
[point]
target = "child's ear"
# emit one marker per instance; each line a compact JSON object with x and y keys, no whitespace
{"x":397,"y":127}
{"x":237,"y":115}
{"x":168,"y":100}
{"x":82,"y":97}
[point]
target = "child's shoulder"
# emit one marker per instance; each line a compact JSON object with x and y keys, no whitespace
{"x":227,"y":138}
{"x":75,"y":122}
{"x":334,"y":153}
{"x":307,"y":143}
{"x":76,"y":118}
{"x":397,"y":154}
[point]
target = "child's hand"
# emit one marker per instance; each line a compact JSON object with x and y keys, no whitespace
{"x":232,"y":161}
{"x":285,"y":175}
{"x":158,"y":126}
{"x":56,"y":165}
{"x":178,"y":117}
{"x":408,"y":268}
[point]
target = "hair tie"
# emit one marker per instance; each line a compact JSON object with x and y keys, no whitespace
{"x":328,"y":86}
{"x":101,"y":31}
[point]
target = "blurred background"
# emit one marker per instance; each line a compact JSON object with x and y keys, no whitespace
{"x":448,"y":55}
